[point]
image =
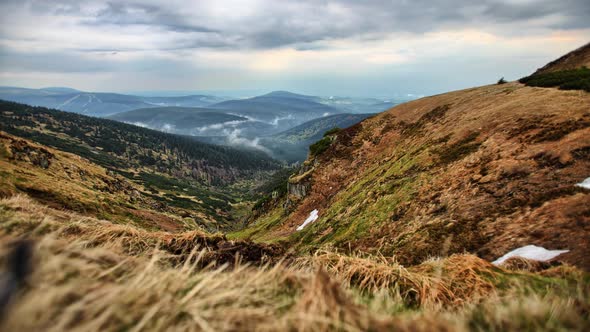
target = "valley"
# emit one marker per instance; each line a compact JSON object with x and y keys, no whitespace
{"x":462,"y":211}
{"x":205,"y":182}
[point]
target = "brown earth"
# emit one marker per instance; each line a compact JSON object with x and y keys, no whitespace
{"x":484,"y":170}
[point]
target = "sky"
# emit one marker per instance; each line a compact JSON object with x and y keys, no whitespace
{"x":319,"y":47}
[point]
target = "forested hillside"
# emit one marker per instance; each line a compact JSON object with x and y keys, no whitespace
{"x":211,"y":183}
{"x":119,"y":146}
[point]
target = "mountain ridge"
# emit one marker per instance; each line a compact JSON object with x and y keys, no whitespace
{"x":577,"y":58}
{"x":97,"y":103}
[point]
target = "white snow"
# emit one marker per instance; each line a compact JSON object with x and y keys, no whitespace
{"x":313,"y":216}
{"x":531,"y":252}
{"x":67,"y":101}
{"x":584,"y":184}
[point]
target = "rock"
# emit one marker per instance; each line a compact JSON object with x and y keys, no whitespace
{"x":21,"y":150}
{"x":299,"y":184}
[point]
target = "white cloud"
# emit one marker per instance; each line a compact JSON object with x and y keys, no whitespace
{"x":316,"y":47}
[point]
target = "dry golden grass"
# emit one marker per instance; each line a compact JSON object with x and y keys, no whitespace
{"x":523,"y":264}
{"x":91,"y":275}
{"x":492,"y":168}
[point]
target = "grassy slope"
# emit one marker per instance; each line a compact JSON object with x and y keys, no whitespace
{"x":205,"y":182}
{"x":482,"y":170}
{"x":575,"y":59}
{"x":91,"y":275}
{"x":66,"y":181}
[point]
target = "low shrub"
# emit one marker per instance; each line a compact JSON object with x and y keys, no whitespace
{"x":332,"y":131}
{"x":320,"y":146}
{"x":575,"y":79}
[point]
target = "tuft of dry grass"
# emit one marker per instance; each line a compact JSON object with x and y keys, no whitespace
{"x":434,"y":283}
{"x":523,"y":264}
{"x":92,"y":275}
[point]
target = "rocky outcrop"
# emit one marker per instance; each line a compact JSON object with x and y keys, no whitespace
{"x":23,"y":151}
{"x":299,"y":184}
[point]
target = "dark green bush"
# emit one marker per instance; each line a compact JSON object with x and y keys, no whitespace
{"x":320,"y":146}
{"x":332,"y":131}
{"x":502,"y":81}
{"x":575,"y":79}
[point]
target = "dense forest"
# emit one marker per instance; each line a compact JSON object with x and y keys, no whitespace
{"x":119,"y":146}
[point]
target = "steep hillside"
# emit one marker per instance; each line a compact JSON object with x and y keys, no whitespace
{"x":482,"y":170}
{"x":66,"y":181}
{"x":575,"y":59}
{"x":119,"y":145}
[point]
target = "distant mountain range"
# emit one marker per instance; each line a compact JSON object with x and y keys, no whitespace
{"x":97,"y":103}
{"x":280,"y":109}
{"x":251,"y":122}
{"x":292,"y":145}
{"x":180,"y":120}
{"x":249,"y":118}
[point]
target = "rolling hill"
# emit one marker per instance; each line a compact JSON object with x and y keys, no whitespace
{"x":179,"y":120}
{"x":293,"y":144}
{"x":65,"y":181}
{"x":483,"y":170}
{"x":205,"y":122}
{"x":359,"y":105}
{"x":282,"y":110}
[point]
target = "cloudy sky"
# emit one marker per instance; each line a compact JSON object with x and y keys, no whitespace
{"x":342,"y":47}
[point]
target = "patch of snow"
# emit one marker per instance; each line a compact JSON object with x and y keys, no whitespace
{"x":313,"y":216}
{"x":67,"y":101}
{"x":89,"y":101}
{"x":531,"y":252}
{"x":584,"y":184}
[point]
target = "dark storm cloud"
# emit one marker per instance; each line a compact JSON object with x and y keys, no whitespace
{"x":51,"y":62}
{"x":281,"y":23}
{"x":225,"y":39}
{"x":124,"y":14}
